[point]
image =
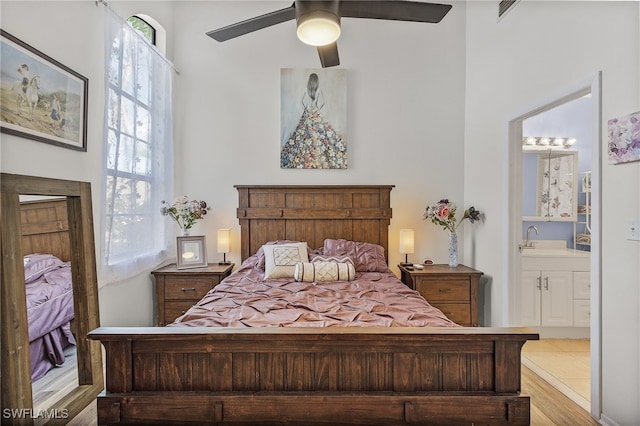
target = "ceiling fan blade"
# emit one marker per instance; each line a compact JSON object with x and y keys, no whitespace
{"x":329,"y":55}
{"x":253,"y":24}
{"x":397,"y":10}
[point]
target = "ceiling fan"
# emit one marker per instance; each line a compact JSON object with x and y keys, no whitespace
{"x":318,"y":22}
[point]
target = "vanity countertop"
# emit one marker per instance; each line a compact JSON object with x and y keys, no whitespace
{"x":553,"y":248}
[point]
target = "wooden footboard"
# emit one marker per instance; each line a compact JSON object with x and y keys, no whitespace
{"x":373,"y":376}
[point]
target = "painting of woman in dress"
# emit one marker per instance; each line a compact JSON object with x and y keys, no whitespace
{"x":312,"y":123}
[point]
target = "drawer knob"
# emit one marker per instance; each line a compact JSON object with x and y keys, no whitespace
{"x":188,"y":289}
{"x":444,"y":290}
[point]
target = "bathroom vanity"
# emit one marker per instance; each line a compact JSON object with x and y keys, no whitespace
{"x":555,"y":287}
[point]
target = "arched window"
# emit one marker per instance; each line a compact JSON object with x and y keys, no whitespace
{"x":143,"y":27}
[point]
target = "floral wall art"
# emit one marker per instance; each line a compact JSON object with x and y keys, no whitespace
{"x":313,"y":119}
{"x":624,"y":138}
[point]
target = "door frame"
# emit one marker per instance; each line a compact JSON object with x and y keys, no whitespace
{"x":591,"y":85}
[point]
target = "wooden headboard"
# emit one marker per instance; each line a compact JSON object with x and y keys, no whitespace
{"x":312,"y":214}
{"x":45,"y":228}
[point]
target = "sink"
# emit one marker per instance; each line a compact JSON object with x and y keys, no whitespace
{"x":552,"y":248}
{"x":550,"y":252}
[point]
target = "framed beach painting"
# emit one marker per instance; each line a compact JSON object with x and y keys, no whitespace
{"x":624,"y":138}
{"x":41,"y":99}
{"x":313,"y":118}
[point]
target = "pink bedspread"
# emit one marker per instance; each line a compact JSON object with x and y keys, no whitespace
{"x":374,"y":299}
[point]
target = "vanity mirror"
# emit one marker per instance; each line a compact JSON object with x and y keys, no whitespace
{"x":549,"y":185}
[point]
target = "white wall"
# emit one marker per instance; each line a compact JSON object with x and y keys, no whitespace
{"x":405,"y":94}
{"x":540,"y":49}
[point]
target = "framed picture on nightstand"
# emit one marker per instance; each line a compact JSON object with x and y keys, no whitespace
{"x":192,"y":252}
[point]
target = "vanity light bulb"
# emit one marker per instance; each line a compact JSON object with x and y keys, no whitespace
{"x":530,"y":140}
{"x":558,"y":141}
{"x":544,"y":141}
{"x":570,"y":142}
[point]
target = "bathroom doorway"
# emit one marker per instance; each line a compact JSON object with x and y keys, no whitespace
{"x":587,"y":94}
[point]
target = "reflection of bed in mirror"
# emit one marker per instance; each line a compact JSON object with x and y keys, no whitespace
{"x":52,"y":217}
{"x":301,"y":374}
{"x":48,"y":285}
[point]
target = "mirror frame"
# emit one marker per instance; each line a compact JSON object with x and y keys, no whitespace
{"x":15,"y":362}
{"x":574,"y":208}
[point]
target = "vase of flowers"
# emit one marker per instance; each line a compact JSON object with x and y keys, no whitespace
{"x":184,"y":212}
{"x":443,"y":213}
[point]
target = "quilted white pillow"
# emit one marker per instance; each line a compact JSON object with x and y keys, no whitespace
{"x":324,"y":271}
{"x":280,"y":259}
{"x":322,"y":258}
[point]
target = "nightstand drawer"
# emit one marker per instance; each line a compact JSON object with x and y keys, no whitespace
{"x":450,"y":290}
{"x":176,"y":288}
{"x":173,"y":310}
{"x":460,"y":313}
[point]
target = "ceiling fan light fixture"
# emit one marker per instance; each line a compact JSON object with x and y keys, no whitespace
{"x":318,"y":28}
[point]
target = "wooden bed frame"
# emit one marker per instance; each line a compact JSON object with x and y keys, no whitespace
{"x":330,"y":376}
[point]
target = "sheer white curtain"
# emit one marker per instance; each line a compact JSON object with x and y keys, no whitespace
{"x":137,"y":154}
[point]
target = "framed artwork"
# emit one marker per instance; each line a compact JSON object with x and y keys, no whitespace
{"x":624,"y":138}
{"x":192,"y":252}
{"x":313,"y":118}
{"x":40,"y":98}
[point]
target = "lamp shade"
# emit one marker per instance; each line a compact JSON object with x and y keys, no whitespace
{"x":318,"y":28}
{"x":406,"y":241}
{"x":224,"y":242}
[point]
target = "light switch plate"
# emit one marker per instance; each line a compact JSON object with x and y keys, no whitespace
{"x":633,"y":230}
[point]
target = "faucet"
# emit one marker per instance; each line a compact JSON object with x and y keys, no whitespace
{"x":528,"y":243}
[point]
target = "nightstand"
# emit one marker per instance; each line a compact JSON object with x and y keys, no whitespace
{"x":452,"y":290}
{"x":178,"y":289}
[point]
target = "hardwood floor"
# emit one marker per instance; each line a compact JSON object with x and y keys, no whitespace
{"x":565,"y":364}
{"x":549,"y":406}
{"x":57,"y":382}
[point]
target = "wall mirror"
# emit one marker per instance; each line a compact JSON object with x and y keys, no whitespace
{"x":51,"y":216}
{"x":549,"y":185}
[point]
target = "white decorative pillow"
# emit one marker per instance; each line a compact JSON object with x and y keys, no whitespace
{"x":280,"y":259}
{"x":322,"y":258}
{"x":324,"y":271}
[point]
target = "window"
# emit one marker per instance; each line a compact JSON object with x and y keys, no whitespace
{"x":144,"y":28}
{"x":138,"y":153}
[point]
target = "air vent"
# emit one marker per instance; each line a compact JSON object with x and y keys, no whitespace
{"x":505,"y":5}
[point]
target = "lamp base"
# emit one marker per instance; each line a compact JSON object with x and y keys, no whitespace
{"x":224,"y":260}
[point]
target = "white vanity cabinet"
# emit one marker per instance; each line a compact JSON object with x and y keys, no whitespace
{"x":581,"y":299}
{"x":547,"y":298}
{"x":555,"y":290}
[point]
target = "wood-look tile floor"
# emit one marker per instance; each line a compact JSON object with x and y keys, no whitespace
{"x":563,"y":363}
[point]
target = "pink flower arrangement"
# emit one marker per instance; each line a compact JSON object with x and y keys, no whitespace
{"x":443,"y":213}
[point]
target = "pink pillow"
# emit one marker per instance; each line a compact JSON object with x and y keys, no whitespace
{"x":36,"y":265}
{"x":367,"y":257}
